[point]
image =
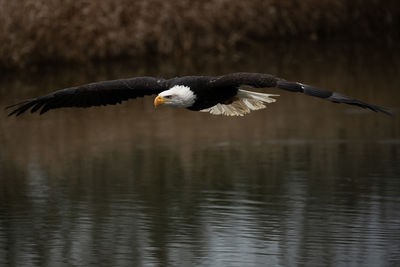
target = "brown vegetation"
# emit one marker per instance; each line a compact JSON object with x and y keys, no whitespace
{"x":81,"y":30}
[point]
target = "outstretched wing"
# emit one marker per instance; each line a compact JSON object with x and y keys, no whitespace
{"x":259,"y":80}
{"x":93,"y":94}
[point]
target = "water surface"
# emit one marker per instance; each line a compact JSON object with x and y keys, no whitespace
{"x":304,"y":182}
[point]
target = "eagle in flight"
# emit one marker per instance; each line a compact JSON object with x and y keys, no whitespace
{"x":219,"y":95}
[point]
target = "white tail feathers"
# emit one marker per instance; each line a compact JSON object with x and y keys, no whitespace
{"x":246,"y":102}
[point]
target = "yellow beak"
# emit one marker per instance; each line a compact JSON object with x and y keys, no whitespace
{"x":159,"y":101}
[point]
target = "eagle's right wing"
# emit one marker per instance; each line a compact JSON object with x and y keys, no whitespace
{"x":93,"y":94}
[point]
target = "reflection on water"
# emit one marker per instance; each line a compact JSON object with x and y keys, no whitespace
{"x":302,"y":182}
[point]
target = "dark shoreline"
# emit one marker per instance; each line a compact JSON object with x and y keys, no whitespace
{"x":82,"y":31}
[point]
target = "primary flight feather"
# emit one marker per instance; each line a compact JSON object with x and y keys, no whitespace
{"x":219,"y":95}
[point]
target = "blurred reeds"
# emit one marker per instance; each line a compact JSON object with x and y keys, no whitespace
{"x":33,"y":31}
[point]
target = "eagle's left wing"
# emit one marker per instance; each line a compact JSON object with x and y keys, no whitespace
{"x":259,"y":80}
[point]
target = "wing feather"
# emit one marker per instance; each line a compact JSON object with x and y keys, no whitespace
{"x":259,"y":80}
{"x":328,"y":95}
{"x":93,"y":94}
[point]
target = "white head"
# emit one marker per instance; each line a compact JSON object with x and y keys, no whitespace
{"x":178,"y":96}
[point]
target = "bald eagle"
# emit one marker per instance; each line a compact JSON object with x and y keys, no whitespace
{"x":219,"y":95}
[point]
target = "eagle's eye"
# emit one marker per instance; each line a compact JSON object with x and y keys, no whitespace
{"x":168,"y":96}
